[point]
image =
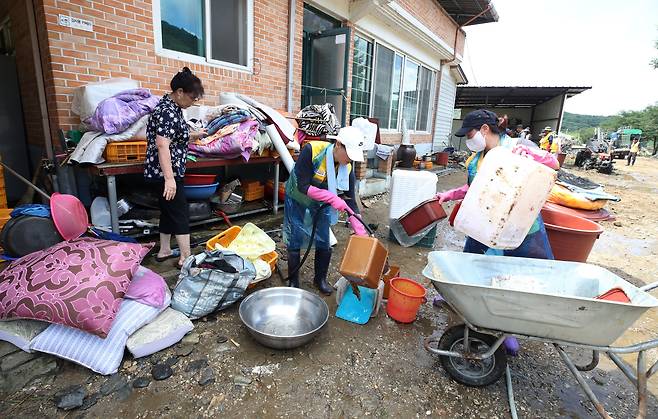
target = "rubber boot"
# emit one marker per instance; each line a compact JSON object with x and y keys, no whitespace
{"x":294,"y":258}
{"x":322,"y":260}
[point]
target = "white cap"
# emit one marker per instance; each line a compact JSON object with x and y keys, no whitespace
{"x":353,"y":140}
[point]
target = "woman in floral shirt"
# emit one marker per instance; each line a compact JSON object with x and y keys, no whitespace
{"x":166,"y":154}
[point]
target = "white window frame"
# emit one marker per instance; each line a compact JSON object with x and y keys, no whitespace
{"x":405,"y":57}
{"x":207,"y":60}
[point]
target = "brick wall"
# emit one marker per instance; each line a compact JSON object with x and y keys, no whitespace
{"x":122,"y":45}
{"x":432,"y":15}
{"x":17,"y":12}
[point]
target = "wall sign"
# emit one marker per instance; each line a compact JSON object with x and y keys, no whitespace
{"x":76,"y":23}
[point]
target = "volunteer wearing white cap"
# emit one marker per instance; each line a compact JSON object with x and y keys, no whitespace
{"x":323,"y":172}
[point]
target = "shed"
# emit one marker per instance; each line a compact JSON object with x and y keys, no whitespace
{"x":534,"y":107}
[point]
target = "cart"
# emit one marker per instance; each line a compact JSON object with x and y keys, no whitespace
{"x":549,"y":301}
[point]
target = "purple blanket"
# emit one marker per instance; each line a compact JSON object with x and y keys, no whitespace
{"x":239,"y":143}
{"x":115,"y":114}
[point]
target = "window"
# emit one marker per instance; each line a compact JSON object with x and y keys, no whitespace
{"x":213,"y":31}
{"x":387,"y":87}
{"x":425,"y":83}
{"x":410,"y":94}
{"x":402,"y":90}
{"x":361,"y":78}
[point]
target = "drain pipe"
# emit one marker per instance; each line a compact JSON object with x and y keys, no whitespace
{"x":468,"y":22}
{"x":291,"y":52}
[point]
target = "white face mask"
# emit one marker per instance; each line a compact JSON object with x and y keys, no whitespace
{"x":477,"y":143}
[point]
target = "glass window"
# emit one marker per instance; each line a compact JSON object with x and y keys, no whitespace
{"x":395,"y":91}
{"x":401,"y":89}
{"x":229,"y":31}
{"x":316,"y":21}
{"x":410,"y":94}
{"x":424,"y":99}
{"x":183,"y":26}
{"x":383,"y":86}
{"x":227,"y":37}
{"x":361,"y":78}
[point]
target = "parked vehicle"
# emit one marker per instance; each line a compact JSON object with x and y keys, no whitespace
{"x":621,"y":140}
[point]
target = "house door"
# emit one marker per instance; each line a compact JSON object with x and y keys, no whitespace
{"x":324,"y":65}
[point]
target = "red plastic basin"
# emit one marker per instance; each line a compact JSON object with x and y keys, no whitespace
{"x":195,"y":180}
{"x":422,"y":216}
{"x":571,"y":237}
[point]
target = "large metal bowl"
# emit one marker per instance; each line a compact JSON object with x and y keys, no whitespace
{"x":283,"y":317}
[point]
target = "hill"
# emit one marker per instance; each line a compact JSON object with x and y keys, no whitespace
{"x":178,"y":39}
{"x":575,"y":122}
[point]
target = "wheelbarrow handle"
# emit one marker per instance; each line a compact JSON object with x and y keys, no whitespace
{"x":649,"y":287}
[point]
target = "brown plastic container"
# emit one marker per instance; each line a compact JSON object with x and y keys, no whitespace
{"x":393,"y":272}
{"x":571,"y":237}
{"x":442,"y":158}
{"x":422,"y":216}
{"x":364,"y":261}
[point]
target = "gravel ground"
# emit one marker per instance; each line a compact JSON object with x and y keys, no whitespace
{"x":379,"y":369}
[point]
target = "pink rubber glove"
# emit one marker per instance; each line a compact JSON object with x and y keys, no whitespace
{"x":452,"y":195}
{"x":327,"y":197}
{"x":538,"y":155}
{"x":357,"y":226}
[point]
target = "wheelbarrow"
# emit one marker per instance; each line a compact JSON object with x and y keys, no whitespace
{"x":555,"y":302}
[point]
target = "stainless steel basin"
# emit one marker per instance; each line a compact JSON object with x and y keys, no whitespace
{"x":283,"y":317}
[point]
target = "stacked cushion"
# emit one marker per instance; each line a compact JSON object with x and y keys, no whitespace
{"x":79,"y":283}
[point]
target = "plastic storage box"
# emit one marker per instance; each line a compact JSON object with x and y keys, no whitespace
{"x":125,"y":152}
{"x":225,"y":238}
{"x":364,"y":261}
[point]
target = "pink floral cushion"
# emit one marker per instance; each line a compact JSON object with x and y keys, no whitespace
{"x":79,"y":283}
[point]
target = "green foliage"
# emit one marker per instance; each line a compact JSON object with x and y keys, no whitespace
{"x":575,"y":122}
{"x":178,"y":39}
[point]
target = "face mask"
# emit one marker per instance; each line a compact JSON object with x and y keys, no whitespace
{"x":477,"y":143}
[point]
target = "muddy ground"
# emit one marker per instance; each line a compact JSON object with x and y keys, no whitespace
{"x":379,"y":369}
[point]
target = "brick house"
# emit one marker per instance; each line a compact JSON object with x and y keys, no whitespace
{"x":392,"y":60}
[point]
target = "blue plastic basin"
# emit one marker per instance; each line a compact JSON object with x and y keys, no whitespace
{"x":200,"y":191}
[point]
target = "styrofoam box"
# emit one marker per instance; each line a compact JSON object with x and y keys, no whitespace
{"x":408,"y":189}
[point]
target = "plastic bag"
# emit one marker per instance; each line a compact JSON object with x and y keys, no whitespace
{"x":211,"y":281}
{"x":86,"y":98}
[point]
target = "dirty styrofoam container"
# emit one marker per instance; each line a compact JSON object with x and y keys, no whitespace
{"x":504,"y":199}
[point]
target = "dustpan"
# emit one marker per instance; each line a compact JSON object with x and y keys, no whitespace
{"x":69,"y":215}
{"x":356,"y":310}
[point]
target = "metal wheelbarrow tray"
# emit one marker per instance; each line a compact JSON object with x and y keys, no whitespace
{"x":559,"y":303}
{"x":554,"y":302}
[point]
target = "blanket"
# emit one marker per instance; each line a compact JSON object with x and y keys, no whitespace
{"x":115,"y":114}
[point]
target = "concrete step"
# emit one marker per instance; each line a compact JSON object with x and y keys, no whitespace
{"x":373,"y":186}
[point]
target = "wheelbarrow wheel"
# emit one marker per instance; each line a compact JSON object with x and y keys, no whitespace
{"x":474,"y":373}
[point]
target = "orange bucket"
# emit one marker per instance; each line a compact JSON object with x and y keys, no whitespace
{"x":405,"y":299}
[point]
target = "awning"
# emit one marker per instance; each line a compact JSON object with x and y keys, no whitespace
{"x":463,"y":10}
{"x":510,"y":96}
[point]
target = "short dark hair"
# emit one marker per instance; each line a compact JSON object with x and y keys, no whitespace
{"x":187,"y":81}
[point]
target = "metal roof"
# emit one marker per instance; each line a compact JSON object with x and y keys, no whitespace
{"x":463,"y":10}
{"x":510,"y":96}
